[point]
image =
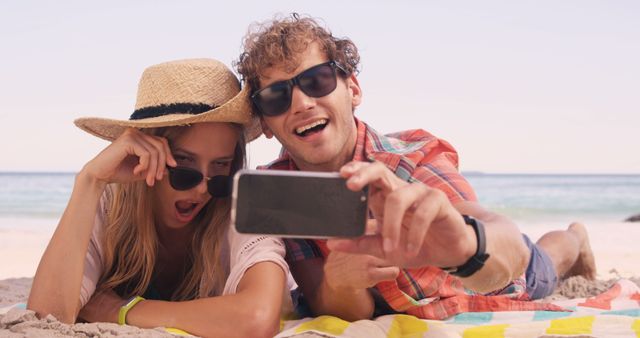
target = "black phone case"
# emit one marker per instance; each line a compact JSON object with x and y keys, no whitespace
{"x":298,"y":206}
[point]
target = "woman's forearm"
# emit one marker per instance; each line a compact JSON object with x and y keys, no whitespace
{"x":56,"y":285}
{"x":254,"y":311}
{"x":224,"y":316}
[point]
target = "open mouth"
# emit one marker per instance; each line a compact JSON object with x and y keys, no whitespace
{"x":312,"y":128}
{"x":186,"y":209}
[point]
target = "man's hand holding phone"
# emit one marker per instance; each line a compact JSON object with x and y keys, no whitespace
{"x":418,"y":225}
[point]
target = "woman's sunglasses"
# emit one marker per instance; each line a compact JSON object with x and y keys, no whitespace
{"x":316,"y":81}
{"x":183,"y":178}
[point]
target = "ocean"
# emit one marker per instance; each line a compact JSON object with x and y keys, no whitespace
{"x":559,"y":198}
{"x":523,"y":197}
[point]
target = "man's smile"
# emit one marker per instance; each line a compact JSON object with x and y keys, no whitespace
{"x":311,"y":127}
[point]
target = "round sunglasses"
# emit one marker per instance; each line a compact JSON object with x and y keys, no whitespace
{"x":183,"y":178}
{"x":317,"y":81}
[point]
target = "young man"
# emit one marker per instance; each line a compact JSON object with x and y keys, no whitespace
{"x":304,"y":88}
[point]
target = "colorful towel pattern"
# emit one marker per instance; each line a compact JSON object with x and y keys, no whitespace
{"x":615,"y":313}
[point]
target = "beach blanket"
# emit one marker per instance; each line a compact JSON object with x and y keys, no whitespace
{"x":614,"y":313}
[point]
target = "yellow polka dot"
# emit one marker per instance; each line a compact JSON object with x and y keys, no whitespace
{"x":404,"y":326}
{"x":326,"y":324}
{"x":178,"y":332}
{"x":485,"y":331}
{"x":570,"y":326}
{"x":636,"y":327}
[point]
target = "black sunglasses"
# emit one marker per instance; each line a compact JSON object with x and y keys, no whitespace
{"x":316,"y":81}
{"x":183,"y":178}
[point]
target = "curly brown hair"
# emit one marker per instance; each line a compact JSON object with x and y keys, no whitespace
{"x":281,"y":41}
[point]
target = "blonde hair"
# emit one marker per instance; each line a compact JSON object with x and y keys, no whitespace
{"x":131,"y":242}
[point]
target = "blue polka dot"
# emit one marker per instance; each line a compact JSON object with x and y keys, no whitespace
{"x":473,"y":318}
{"x":549,"y":315}
{"x":628,"y":312}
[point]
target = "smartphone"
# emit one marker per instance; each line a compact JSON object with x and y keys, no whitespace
{"x":297,"y":204}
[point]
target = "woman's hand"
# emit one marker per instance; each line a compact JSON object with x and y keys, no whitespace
{"x":103,"y":306}
{"x":131,"y":157}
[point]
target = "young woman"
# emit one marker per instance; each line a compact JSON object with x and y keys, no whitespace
{"x":145,"y":239}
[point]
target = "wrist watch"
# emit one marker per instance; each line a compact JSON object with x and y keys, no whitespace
{"x":476,"y":262}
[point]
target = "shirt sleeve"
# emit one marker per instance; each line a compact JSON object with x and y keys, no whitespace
{"x":439,"y":170}
{"x":93,"y":265}
{"x":300,"y":249}
{"x":248,"y":250}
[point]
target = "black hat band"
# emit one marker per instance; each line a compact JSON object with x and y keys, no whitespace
{"x":169,"y":109}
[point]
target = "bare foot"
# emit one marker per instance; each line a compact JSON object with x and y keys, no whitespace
{"x":585,"y":265}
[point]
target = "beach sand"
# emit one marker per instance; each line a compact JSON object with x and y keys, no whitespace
{"x":614,"y":245}
{"x":22,"y":242}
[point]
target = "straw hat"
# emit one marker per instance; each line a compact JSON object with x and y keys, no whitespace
{"x":180,"y":93}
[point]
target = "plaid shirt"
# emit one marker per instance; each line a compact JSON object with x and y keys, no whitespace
{"x":427,"y":292}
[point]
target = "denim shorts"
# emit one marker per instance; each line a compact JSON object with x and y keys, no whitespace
{"x":542,"y":278}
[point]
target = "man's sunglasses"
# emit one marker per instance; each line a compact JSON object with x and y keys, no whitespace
{"x":316,"y":81}
{"x":183,"y":178}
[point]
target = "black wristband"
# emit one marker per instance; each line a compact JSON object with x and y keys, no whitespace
{"x":476,"y":262}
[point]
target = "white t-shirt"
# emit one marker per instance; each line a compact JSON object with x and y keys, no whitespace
{"x":238,"y":253}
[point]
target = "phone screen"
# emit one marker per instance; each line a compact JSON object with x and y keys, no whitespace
{"x":294,"y":204}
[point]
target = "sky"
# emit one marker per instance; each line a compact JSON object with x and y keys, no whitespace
{"x":514,"y":86}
